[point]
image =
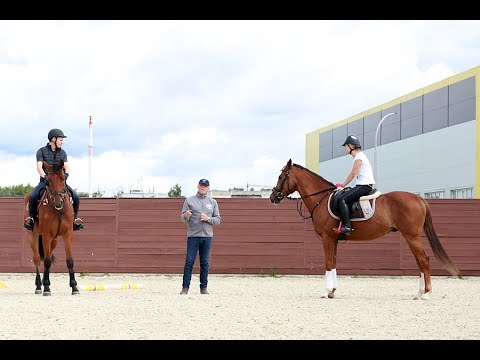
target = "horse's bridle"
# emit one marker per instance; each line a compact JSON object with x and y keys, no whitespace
{"x":51,"y":198}
{"x":57,"y":206}
{"x":280,"y":195}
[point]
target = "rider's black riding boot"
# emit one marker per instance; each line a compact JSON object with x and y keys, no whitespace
{"x":77,"y":222}
{"x":29,"y":222}
{"x":346,"y":227}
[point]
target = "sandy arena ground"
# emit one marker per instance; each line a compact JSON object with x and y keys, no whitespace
{"x":240,"y":307}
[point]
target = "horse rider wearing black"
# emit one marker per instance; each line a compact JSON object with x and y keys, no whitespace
{"x":52,"y":154}
{"x":362,"y":171}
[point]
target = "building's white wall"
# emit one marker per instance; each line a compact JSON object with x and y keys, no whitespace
{"x":438,"y":160}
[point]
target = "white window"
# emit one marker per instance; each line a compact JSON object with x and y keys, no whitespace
{"x":462,"y":193}
{"x":435,"y":194}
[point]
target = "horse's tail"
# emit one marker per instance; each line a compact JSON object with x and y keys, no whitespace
{"x":40,"y":248}
{"x":435,"y":243}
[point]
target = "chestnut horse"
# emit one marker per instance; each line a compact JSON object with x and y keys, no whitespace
{"x":55,"y":218}
{"x":394,"y":211}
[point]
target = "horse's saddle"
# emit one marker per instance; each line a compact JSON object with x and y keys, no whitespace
{"x":360,"y":210}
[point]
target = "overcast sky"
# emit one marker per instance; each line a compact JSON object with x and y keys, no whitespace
{"x":231,"y":101}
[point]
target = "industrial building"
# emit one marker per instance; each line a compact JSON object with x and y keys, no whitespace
{"x":425,"y":142}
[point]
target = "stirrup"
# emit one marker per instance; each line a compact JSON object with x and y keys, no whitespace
{"x":346,"y":230}
{"x":29,"y":223}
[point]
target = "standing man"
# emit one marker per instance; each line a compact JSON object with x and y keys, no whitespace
{"x":52,"y":153}
{"x":201,"y":213}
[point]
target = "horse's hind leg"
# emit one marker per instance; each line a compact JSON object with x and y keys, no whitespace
{"x":425,"y":282}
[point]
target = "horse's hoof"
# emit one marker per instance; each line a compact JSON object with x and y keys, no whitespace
{"x":422,"y":296}
{"x":38,"y":291}
{"x":47,"y":293}
{"x":329,"y":295}
{"x":76,"y":292}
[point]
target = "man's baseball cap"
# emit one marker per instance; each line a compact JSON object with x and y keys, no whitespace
{"x":204,"y":182}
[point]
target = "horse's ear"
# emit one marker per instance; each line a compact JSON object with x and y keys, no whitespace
{"x":289,"y":163}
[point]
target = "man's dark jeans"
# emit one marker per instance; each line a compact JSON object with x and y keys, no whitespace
{"x":200,"y":245}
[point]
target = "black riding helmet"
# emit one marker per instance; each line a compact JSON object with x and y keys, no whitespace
{"x":55,"y":133}
{"x":352,"y":140}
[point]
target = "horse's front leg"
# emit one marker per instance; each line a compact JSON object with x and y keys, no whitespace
{"x":330,"y":250}
{"x":34,"y":244}
{"x":71,"y":273}
{"x":68,"y":239}
{"x":47,"y":264}
{"x":38,"y":282}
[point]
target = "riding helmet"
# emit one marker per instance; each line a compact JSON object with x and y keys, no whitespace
{"x":55,"y":133}
{"x":352,"y":140}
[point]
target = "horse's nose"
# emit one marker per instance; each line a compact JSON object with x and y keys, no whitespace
{"x":273,"y":198}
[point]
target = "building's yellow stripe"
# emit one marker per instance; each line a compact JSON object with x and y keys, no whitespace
{"x":477,"y":136}
{"x":312,"y":151}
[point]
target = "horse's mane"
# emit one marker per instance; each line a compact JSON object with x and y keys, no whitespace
{"x":314,"y":174}
{"x":57,"y":168}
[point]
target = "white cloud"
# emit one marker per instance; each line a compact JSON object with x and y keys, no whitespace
{"x":232,"y":101}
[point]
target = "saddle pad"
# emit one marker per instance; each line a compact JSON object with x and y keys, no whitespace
{"x":367,"y":207}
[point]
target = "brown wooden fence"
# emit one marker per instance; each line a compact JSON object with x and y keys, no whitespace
{"x":147,"y":236}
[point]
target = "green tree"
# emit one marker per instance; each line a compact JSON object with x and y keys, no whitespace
{"x":95,"y":194}
{"x":15,"y":190}
{"x":175,"y":191}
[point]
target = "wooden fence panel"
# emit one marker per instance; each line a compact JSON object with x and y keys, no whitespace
{"x":146,"y":235}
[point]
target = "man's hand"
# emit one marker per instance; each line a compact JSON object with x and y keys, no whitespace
{"x":338,"y":187}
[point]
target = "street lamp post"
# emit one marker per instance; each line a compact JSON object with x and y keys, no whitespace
{"x":375,"y":150}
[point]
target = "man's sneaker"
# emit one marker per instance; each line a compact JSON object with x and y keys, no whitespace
{"x":29,"y":223}
{"x":203,"y":291}
{"x":78,"y":224}
{"x":184,"y":291}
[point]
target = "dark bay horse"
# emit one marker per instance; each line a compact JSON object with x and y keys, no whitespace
{"x":55,"y":218}
{"x":394,"y":211}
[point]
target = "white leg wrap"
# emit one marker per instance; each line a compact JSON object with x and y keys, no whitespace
{"x":329,"y":278}
{"x":334,"y":271}
{"x":421,"y":283}
{"x":421,"y":287}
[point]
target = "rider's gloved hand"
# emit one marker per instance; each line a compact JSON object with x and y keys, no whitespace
{"x":338,"y":185}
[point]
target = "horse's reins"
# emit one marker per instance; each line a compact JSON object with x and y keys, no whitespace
{"x":280,"y":196}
